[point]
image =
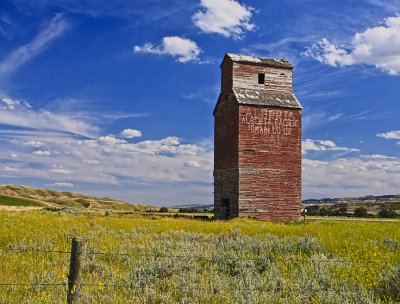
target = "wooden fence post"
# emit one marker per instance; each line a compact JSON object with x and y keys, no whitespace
{"x":75,"y":271}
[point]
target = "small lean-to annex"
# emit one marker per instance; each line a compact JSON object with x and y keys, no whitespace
{"x":257,"y":140}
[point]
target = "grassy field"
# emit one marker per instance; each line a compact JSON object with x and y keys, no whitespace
{"x":18,"y":202}
{"x":188,"y":261}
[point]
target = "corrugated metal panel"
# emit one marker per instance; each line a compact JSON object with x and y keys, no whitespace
{"x":266,"y":98}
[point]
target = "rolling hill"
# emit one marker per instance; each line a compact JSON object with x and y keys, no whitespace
{"x":23,"y":196}
{"x":372,"y":203}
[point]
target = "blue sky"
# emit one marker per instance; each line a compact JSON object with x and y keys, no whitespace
{"x":116,"y":99}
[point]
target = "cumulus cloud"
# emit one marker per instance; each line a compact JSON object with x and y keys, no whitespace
{"x":168,"y":145}
{"x":193,"y":164}
{"x":109,"y":161}
{"x":59,"y":170}
{"x":25,"y":53}
{"x":353,"y":176}
{"x":167,"y":163}
{"x":378,"y":46}
{"x":34,"y":143}
{"x":390,"y":135}
{"x":41,"y":152}
{"x":228,"y":18}
{"x":111,"y":140}
{"x":323,"y":145}
{"x":130,"y":133}
{"x":183,"y":49}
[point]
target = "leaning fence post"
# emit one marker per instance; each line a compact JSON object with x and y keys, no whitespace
{"x":75,"y":271}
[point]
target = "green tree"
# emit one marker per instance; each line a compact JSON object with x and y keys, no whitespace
{"x":323,"y":212}
{"x":163,"y":210}
{"x":361,"y":212}
{"x":188,"y":210}
{"x":342,"y":211}
{"x":387,"y":213}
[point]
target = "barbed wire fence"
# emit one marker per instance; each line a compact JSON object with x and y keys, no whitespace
{"x":73,"y":286}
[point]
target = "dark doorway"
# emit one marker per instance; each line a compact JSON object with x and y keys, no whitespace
{"x":226,"y":205}
{"x":261,"y":78}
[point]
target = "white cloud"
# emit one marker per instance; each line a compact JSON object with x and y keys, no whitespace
{"x":93,"y":162}
{"x":22,"y":115}
{"x":326,"y":52}
{"x":25,"y":53}
{"x":183,"y":170}
{"x":323,"y":145}
{"x":193,"y":164}
{"x":10,"y":169}
{"x":34,"y":143}
{"x":111,"y":140}
{"x":59,"y":170}
{"x":169,"y":145}
{"x":377,"y":156}
{"x":183,"y":49}
{"x":378,"y":46}
{"x":66,"y":185}
{"x":153,"y":163}
{"x":130,"y":133}
{"x":14,"y":155}
{"x":228,"y":18}
{"x":41,"y":152}
{"x":354,"y":176}
{"x":390,"y":135}
{"x":11,"y":104}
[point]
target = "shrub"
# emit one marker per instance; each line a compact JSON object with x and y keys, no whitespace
{"x":361,"y":212}
{"x":188,"y":210}
{"x":389,"y":287}
{"x":387,"y":213}
{"x":84,"y":202}
{"x":163,"y":210}
{"x":323,"y":212}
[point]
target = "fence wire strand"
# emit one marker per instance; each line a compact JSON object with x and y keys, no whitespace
{"x":198,"y":257}
{"x":106,"y":286}
{"x":27,"y":250}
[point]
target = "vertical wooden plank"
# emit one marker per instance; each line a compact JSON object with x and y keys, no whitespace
{"x":75,"y":271}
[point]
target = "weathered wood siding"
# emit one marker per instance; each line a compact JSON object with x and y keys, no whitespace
{"x":257,"y":160}
{"x":226,"y":77}
{"x":269,"y":163}
{"x":245,"y":76}
{"x":226,"y":129}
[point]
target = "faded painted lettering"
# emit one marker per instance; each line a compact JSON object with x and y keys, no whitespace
{"x":269,"y":121}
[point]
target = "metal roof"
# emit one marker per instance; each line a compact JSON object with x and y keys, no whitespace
{"x":266,"y":98}
{"x":278,"y":63}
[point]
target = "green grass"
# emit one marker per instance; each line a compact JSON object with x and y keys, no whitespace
{"x":189,"y":261}
{"x":19,"y":202}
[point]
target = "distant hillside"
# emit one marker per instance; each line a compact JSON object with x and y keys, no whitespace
{"x":195,"y":206}
{"x":12,"y":195}
{"x":371,"y":202}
